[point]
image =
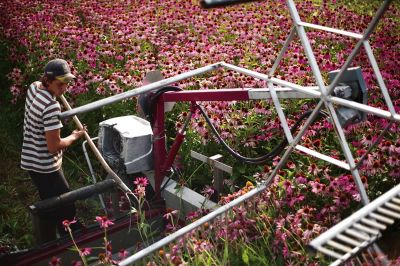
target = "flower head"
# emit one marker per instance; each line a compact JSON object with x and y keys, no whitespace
{"x":104,"y":221}
{"x":85,"y":251}
{"x":55,"y":261}
{"x":141,"y":181}
{"x":67,"y":223}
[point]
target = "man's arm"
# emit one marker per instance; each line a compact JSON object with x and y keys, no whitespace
{"x":55,"y":143}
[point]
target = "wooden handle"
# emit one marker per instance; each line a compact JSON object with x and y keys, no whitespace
{"x":96,"y":151}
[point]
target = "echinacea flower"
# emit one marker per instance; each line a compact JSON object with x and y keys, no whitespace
{"x":67,"y":223}
{"x":103,"y":221}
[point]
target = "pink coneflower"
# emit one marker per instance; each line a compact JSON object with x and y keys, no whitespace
{"x":313,"y":169}
{"x":316,"y":187}
{"x":76,"y":263}
{"x":141,"y":181}
{"x":103,"y":221}
{"x":170,"y":213}
{"x":140,"y":191}
{"x":368,"y":140}
{"x":55,"y":261}
{"x":85,"y":251}
{"x":208,"y":191}
{"x":301,"y":179}
{"x":395,"y":173}
{"x":122,"y":254}
{"x":67,"y":223}
{"x":291,"y":165}
{"x":287,"y":185}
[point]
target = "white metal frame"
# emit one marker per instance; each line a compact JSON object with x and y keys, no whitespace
{"x":324,"y":93}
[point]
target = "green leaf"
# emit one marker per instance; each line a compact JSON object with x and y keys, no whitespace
{"x":245,"y":257}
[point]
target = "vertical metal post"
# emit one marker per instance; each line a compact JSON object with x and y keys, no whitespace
{"x":159,"y":146}
{"x":218,"y":171}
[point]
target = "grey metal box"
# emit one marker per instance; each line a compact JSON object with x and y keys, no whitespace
{"x":127,"y":140}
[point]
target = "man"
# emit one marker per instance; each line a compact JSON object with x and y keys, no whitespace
{"x":42,"y":146}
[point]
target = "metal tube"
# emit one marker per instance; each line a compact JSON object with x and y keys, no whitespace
{"x":292,"y":145}
{"x":146,"y":88}
{"x":349,"y":221}
{"x":347,"y":154}
{"x":356,"y":49}
{"x":380,"y":137}
{"x":172,"y":237}
{"x":91,"y":170}
{"x":379,"y":78}
{"x":307,"y":48}
{"x":324,"y":157}
{"x":281,"y":115}
{"x":365,"y":108}
{"x":97,"y":153}
{"x":333,"y":30}
{"x":282,"y":52}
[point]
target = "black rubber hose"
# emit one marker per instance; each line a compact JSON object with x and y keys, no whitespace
{"x":154,"y":98}
{"x":257,"y":160}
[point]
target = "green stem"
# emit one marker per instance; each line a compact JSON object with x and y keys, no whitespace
{"x":76,"y":246}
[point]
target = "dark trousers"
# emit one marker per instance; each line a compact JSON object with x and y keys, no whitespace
{"x":51,"y":185}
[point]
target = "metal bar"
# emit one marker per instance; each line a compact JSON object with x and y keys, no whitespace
{"x":146,"y":88}
{"x":238,"y":94}
{"x":365,"y":229}
{"x":348,"y":240}
{"x":381,"y":218}
{"x":373,"y":223}
{"x":281,"y":115}
{"x":212,"y":161}
{"x":283,"y":51}
{"x":296,"y":140}
{"x":159,"y":146}
{"x":283,"y":93}
{"x":333,"y":30}
{"x":235,"y":94}
{"x":347,"y":154}
{"x":172,"y":237}
{"x":307,"y":48}
{"x":358,"y":234}
{"x":356,"y":49}
{"x":91,"y":171}
{"x":349,"y":221}
{"x":324,"y":157}
{"x":380,"y":137}
{"x":80,"y":193}
{"x":365,"y":108}
{"x":314,"y":93}
{"x":396,"y":200}
{"x":330,"y":253}
{"x":245,"y":71}
{"x":392,"y":206}
{"x":388,"y":212}
{"x":379,"y":77}
{"x":339,"y":246}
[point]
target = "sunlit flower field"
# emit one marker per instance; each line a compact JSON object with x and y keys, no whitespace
{"x":111,"y":45}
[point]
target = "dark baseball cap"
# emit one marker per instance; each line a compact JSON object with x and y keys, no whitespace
{"x":59,"y":69}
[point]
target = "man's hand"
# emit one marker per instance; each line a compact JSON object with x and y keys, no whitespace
{"x":55,"y":143}
{"x":79,"y":133}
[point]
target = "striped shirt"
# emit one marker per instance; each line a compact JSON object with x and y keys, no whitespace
{"x":41,"y":110}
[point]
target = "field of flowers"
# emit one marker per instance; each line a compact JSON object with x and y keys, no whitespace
{"x":112,"y":44}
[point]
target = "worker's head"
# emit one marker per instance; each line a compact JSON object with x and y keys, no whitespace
{"x":57,"y":76}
